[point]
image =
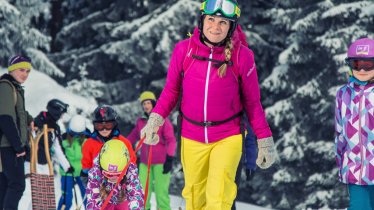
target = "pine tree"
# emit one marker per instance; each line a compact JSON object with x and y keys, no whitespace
{"x":123,"y":47}
{"x":20,"y":35}
{"x":303,"y":84}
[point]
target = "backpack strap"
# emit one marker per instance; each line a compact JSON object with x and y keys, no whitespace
{"x":188,"y":58}
{"x":13,"y":88}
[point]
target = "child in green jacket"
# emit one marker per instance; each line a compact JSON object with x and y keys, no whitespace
{"x":72,"y":146}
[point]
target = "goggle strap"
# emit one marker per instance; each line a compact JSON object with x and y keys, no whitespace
{"x":202,"y":7}
{"x":237,"y":11}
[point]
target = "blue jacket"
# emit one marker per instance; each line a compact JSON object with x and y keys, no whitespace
{"x":250,"y":150}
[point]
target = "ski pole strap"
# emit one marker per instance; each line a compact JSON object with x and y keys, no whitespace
{"x":121,"y":176}
{"x":210,"y":123}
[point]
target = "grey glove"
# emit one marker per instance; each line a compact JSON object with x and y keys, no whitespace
{"x":266,"y":152}
{"x":150,"y":130}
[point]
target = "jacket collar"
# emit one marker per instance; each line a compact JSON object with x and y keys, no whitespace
{"x":354,"y":83}
{"x":8,"y":77}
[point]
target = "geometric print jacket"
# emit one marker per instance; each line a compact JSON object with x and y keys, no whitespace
{"x":134,"y":195}
{"x":354,"y":139}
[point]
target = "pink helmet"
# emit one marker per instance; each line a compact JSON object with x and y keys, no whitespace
{"x":361,"y":48}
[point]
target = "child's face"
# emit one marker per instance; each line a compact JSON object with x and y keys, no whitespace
{"x":20,"y":75}
{"x":362,"y":68}
{"x":147,"y":106}
{"x":363,"y":75}
{"x":111,"y":177}
{"x":104,"y":128}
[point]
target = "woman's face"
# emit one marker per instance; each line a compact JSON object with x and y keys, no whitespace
{"x":215,"y":28}
{"x":363,"y":75}
{"x":20,"y":75}
{"x":147,"y":106}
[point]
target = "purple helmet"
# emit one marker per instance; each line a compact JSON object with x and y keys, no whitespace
{"x":361,"y":48}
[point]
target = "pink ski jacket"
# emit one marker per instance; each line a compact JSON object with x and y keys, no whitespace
{"x":166,"y":145}
{"x":207,"y":97}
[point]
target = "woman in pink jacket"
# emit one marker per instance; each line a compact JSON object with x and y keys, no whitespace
{"x":162,"y":155}
{"x":216,"y":76}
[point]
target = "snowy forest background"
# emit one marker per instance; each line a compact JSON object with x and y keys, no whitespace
{"x":112,"y":50}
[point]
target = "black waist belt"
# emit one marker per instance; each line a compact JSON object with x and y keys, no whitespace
{"x":209,"y":123}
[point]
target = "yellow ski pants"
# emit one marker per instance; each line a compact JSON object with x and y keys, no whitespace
{"x":209,"y":173}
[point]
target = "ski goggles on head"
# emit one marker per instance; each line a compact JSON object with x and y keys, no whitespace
{"x":104,"y":125}
{"x":111,"y":176}
{"x":357,"y":64}
{"x":227,"y":7}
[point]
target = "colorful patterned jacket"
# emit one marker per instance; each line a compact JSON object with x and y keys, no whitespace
{"x":133,"y":190}
{"x":354,"y":127}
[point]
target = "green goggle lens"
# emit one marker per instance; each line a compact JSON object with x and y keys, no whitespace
{"x":228,"y":8}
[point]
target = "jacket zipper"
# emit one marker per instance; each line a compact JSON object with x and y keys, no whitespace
{"x":206,"y":96}
{"x":359,"y":134}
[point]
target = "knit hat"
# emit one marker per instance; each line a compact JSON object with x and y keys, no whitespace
{"x":19,"y":62}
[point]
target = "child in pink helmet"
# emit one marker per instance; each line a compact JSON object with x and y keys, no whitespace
{"x":354,"y":125}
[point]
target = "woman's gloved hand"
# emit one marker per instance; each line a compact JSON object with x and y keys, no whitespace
{"x":266,"y":152}
{"x":150,"y":130}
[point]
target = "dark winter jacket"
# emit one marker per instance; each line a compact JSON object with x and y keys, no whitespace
{"x":250,"y":150}
{"x":14,"y":119}
{"x":54,"y":141}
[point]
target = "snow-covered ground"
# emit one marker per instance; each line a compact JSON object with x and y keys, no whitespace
{"x":176,"y":202}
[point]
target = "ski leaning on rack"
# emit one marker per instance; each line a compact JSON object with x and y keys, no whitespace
{"x":42,"y":185}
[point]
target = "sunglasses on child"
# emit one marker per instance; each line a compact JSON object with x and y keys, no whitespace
{"x":367,"y":64}
{"x":104,"y":125}
{"x":111,"y":176}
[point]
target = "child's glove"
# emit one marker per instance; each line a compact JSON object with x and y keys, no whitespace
{"x":84,"y":177}
{"x":70,"y":170}
{"x":168,"y":164}
{"x":150,"y":130}
{"x":266,"y":152}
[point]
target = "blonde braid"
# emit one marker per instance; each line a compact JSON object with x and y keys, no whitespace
{"x":222,"y":69}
